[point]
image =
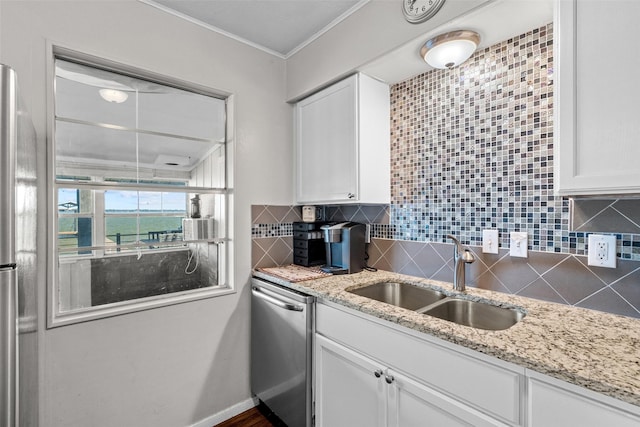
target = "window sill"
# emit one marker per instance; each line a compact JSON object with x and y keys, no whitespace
{"x":116,"y":309}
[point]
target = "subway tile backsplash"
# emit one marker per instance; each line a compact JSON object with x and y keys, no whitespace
{"x":472,"y":149}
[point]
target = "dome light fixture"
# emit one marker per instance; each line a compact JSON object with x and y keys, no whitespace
{"x":113,"y":95}
{"x":449,"y":50}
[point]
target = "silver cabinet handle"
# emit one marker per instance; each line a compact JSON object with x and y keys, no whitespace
{"x":389,"y":379}
{"x":378,"y":373}
{"x":351,"y":196}
{"x":287,"y":306}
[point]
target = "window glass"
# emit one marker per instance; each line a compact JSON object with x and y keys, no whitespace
{"x":132,"y":157}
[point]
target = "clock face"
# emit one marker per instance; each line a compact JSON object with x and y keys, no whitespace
{"x":416,"y":11}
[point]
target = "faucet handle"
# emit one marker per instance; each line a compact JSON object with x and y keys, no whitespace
{"x":467,"y":256}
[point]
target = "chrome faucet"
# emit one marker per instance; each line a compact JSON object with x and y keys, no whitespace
{"x":461,"y":256}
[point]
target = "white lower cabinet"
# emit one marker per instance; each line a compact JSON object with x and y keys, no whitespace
{"x":347,"y":391}
{"x":369,"y":372}
{"x":353,"y":390}
{"x":555,"y":403}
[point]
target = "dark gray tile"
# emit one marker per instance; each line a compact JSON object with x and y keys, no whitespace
{"x":610,"y":275}
{"x":541,"y":290}
{"x":476,"y":269}
{"x":257,"y":253}
{"x":445,"y":250}
{"x":490,"y":259}
{"x":573,"y":280}
{"x":256,"y":210}
{"x":374,"y":213}
{"x":489,"y":281}
{"x":610,"y":302}
{"x":514,"y":273}
{"x":629,"y":288}
{"x":294,"y":214}
{"x":377,"y":249}
{"x":585,"y":209}
{"x":541,"y":262}
{"x":610,"y":221}
{"x":352,"y":213}
{"x":631,"y":209}
{"x":261,"y":248}
{"x":445,"y":274}
{"x":279,"y":212}
{"x":397,"y":256}
{"x":412,"y":248}
{"x":264,"y":243}
{"x":428,"y":260}
{"x":382,"y":264}
{"x":412,"y":269}
{"x":265,"y":217}
{"x":281,"y":251}
{"x":334,"y":213}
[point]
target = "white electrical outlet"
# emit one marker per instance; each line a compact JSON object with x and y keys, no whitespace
{"x":490,"y":241}
{"x":602,"y":250}
{"x":518,"y":244}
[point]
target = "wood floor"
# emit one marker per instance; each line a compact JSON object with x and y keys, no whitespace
{"x":259,"y":416}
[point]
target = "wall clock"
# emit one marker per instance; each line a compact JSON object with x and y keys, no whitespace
{"x":417,"y":11}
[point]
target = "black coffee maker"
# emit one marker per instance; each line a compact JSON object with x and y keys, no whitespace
{"x":345,"y":247}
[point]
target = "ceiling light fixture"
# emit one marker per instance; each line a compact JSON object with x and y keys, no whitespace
{"x":112,"y":95}
{"x":450,"y":49}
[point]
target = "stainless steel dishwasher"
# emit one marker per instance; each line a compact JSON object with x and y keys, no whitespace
{"x":281,"y":351}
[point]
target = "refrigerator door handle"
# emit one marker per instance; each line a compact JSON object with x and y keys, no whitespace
{"x":8,"y":347}
{"x":275,"y":301}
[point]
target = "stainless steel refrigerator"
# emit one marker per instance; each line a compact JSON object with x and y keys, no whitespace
{"x":18,"y":259}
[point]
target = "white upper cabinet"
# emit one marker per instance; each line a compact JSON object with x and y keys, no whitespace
{"x":342,"y":143}
{"x":597,"y":116}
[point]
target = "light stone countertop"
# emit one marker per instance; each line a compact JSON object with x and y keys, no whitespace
{"x":595,"y":350}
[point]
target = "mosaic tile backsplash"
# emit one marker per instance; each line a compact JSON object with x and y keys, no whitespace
{"x":472,"y":149}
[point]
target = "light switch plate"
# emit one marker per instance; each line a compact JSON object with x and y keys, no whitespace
{"x":602,"y":250}
{"x":518,"y":244}
{"x":490,"y":241}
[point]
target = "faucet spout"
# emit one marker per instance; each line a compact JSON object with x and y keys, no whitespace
{"x":461,"y":257}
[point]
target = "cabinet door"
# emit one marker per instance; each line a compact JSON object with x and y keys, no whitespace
{"x":556,"y":404}
{"x":415,"y":405}
{"x":326,"y":142}
{"x":347,"y":391}
{"x":597,"y":127}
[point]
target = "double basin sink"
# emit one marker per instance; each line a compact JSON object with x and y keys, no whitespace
{"x":477,"y":314}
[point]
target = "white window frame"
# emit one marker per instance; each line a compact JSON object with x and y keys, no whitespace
{"x":226,"y":285}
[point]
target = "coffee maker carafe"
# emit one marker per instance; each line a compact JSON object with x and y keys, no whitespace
{"x":345,"y":247}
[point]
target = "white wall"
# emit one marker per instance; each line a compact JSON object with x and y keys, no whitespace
{"x":176,"y":365}
{"x":372,"y":31}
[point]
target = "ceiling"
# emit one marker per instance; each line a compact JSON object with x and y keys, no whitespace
{"x":280,"y":27}
{"x":495,"y":22}
{"x":283,"y":27}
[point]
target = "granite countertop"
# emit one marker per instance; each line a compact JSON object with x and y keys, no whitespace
{"x":595,"y":350}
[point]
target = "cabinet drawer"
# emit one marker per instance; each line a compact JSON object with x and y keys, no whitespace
{"x":300,"y":252}
{"x":307,"y":235}
{"x":300,"y":243}
{"x":306,"y":226}
{"x":488,"y":387}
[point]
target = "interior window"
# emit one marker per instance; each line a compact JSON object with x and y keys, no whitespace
{"x":140,"y":192}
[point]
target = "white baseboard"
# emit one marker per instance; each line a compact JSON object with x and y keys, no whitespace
{"x":225,"y":414}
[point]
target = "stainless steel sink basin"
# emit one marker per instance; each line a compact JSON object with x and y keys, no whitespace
{"x":475,"y":314}
{"x":400,"y":294}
